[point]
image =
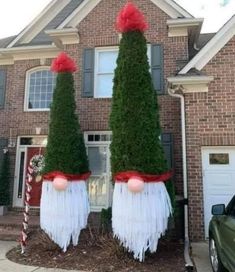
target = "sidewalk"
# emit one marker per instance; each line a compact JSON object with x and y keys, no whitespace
{"x":201,"y":259}
{"x":8,"y":266}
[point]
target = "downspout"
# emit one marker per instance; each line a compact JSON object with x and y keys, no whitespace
{"x":188,"y":262}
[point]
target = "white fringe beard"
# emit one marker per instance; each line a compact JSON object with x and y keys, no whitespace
{"x":63,"y":214}
{"x":140,"y":219}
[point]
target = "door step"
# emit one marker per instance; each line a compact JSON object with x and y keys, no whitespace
{"x":11,"y":226}
{"x":18,"y":210}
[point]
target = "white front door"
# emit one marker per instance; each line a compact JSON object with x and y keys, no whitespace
{"x":218,"y":165}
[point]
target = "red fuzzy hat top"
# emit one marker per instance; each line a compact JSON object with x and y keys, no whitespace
{"x":130,"y":19}
{"x":63,"y":63}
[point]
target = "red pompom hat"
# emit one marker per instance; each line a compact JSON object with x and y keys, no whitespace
{"x":130,"y":19}
{"x":63,"y":63}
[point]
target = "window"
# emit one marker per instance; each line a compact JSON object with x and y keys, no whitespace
{"x":40,"y":83}
{"x":105,"y":64}
{"x":219,"y":158}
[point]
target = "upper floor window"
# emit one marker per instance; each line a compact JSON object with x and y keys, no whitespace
{"x":105,"y":64}
{"x":40,"y":84}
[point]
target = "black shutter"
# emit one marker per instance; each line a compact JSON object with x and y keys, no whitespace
{"x":167,"y":142}
{"x":2,"y":88}
{"x":88,"y":73}
{"x":157,"y":67}
{"x":3,"y":144}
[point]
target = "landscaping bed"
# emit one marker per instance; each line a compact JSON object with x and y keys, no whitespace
{"x":98,"y":252}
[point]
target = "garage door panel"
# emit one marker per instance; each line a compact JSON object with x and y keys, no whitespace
{"x":218,"y":165}
{"x":219,"y":181}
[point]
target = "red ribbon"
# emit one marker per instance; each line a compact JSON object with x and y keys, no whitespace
{"x":125,"y":176}
{"x":50,"y":176}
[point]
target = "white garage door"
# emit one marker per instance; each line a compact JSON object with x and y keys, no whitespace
{"x":218,"y":164}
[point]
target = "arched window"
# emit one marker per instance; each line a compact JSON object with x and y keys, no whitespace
{"x":40,"y":84}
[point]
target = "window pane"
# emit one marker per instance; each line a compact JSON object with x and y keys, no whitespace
{"x":97,"y":191}
{"x":219,"y":158}
{"x":41,"y":87}
{"x":107,"y":61}
{"x":104,"y":86}
{"x":97,"y":160}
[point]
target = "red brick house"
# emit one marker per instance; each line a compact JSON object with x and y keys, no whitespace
{"x":195,"y":87}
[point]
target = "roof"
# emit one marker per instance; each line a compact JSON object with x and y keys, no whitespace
{"x":170,"y":7}
{"x":203,"y":39}
{"x":4,"y":42}
{"x":60,"y":14}
{"x":42,"y":37}
{"x":212,"y":47}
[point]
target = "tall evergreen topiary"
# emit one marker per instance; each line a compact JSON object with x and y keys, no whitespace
{"x":65,"y":150}
{"x":64,"y":206}
{"x":5,"y":180}
{"x":134,"y":118}
{"x":141,"y":204}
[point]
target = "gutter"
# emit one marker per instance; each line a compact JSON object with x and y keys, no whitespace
{"x":188,"y":261}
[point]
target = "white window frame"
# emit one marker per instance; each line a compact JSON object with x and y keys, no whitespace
{"x":27,"y":86}
{"x":108,"y":49}
{"x":97,"y":52}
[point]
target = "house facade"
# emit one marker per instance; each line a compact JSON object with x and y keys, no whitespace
{"x":196,"y":97}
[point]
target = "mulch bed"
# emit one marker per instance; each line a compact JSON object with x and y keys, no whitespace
{"x":97,"y":252}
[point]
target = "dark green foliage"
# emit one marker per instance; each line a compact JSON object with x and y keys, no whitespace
{"x":106,"y":219}
{"x":65,"y":149}
{"x":171,"y":191}
{"x":134,"y":119}
{"x":5,"y":180}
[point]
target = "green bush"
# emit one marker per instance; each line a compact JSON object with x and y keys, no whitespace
{"x":5,"y":180}
{"x":106,"y":219}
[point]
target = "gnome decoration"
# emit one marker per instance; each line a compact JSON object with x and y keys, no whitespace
{"x":64,"y":202}
{"x":141,"y":204}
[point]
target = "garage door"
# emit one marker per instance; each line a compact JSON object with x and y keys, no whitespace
{"x":218,"y":164}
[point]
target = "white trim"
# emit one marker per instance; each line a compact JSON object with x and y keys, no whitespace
{"x":40,"y":22}
{"x":79,"y":13}
{"x":64,"y":36}
{"x":180,"y":27}
{"x":190,"y":84}
{"x":10,"y":55}
{"x":97,"y":51}
{"x":18,"y":202}
{"x":27,"y":85}
{"x":212,"y":47}
{"x":184,"y":22}
{"x":168,"y":6}
{"x":172,"y":9}
{"x":106,"y":49}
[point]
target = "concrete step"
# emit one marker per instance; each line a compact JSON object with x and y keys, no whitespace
{"x":17,"y":211}
{"x":9,"y":234}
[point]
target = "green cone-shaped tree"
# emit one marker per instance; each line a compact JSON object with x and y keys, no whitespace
{"x":5,"y":180}
{"x":65,"y":150}
{"x":134,"y":118}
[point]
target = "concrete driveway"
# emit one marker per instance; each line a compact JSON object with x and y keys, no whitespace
{"x":200,"y":252}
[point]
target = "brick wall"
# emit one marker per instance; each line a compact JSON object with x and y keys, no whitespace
{"x":97,"y":29}
{"x":210,"y":122}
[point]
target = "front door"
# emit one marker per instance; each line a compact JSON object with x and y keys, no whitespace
{"x":36,"y":182}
